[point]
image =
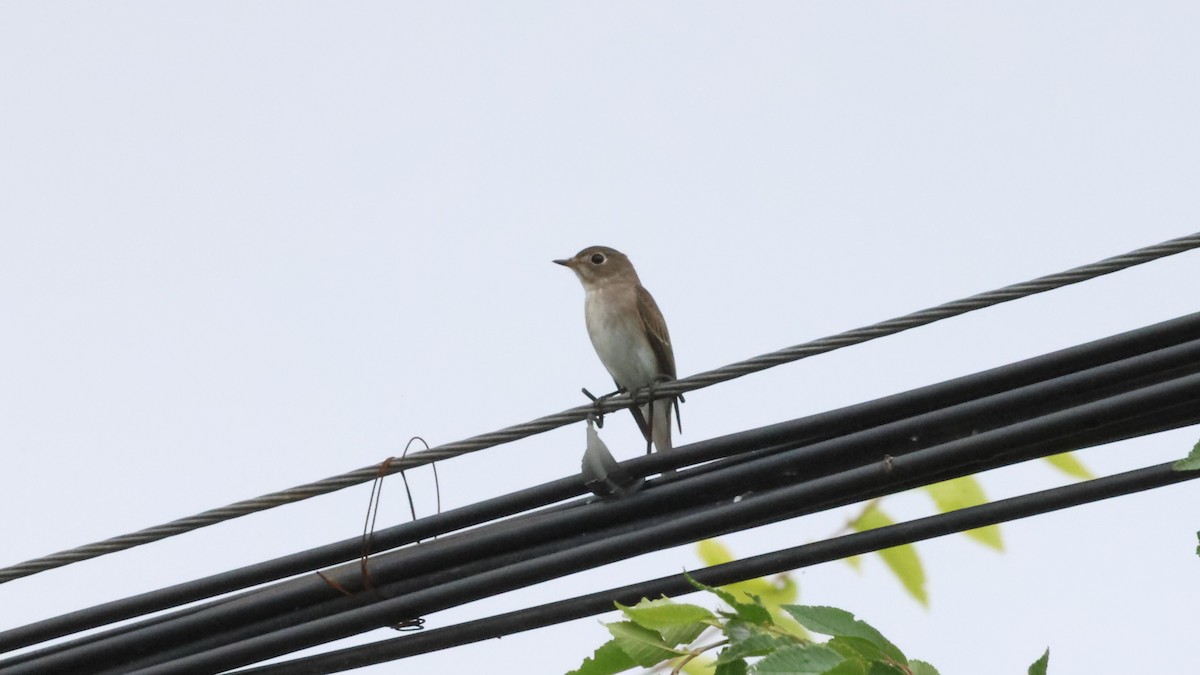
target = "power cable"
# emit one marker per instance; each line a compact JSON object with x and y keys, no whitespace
{"x":832,"y":440}
{"x":677,"y":585}
{"x":1165,"y":404}
{"x":665,"y":531}
{"x":692,"y":383}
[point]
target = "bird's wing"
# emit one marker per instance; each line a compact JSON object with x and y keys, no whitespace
{"x":656,"y":331}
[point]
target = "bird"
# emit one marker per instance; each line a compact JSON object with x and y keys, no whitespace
{"x":629,"y":333}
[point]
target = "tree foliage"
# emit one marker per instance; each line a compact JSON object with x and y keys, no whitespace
{"x":747,"y":640}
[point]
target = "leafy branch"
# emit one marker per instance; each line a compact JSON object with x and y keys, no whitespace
{"x":660,"y":632}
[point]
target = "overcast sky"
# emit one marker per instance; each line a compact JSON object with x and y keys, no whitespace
{"x":248,"y":245}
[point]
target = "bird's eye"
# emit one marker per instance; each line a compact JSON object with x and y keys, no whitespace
{"x":597,"y":258}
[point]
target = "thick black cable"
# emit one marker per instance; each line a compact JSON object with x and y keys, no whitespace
{"x":783,"y":435}
{"x":290,"y":565}
{"x":1053,"y":392}
{"x":1183,"y":395}
{"x":315,"y":633}
{"x":692,"y":383}
{"x":204,"y":640}
{"x":677,"y":585}
{"x":435,"y":578}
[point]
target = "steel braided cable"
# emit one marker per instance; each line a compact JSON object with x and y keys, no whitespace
{"x":576,"y":414}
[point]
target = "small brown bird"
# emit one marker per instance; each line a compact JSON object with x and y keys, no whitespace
{"x":628,"y":332}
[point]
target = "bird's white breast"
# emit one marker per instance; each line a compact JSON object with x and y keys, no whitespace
{"x":619,"y":337}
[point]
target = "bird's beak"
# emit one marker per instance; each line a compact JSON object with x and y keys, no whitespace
{"x":564,"y":263}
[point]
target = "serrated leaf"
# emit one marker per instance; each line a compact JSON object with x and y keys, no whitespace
{"x":1068,"y":464}
{"x":683,"y":635}
{"x":1189,"y":463}
{"x":748,"y":639}
{"x":799,"y":660}
{"x":609,"y":659}
{"x":665,"y":613}
{"x":725,"y":596}
{"x":755,"y":613}
{"x":1039,"y":666}
{"x":856,"y":648}
{"x":787,"y":624}
{"x":960,"y":493}
{"x":644,"y":646}
{"x":848,"y":667}
{"x":840,"y":623}
{"x":922,"y":668}
{"x":752,"y":611}
{"x":902,"y":560}
{"x":770,"y":596}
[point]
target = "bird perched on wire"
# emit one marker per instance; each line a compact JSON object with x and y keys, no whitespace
{"x":628,"y":332}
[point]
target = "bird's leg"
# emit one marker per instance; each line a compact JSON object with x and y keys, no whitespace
{"x":650,"y":410}
{"x":675,"y":400}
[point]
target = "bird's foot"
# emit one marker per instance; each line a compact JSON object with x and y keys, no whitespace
{"x":598,"y":401}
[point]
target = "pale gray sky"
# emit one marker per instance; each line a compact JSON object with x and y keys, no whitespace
{"x":247,"y":245}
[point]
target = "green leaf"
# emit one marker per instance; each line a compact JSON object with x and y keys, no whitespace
{"x":902,"y":560}
{"x":737,"y":667}
{"x":988,"y":535}
{"x":1067,"y":464}
{"x":922,"y":668}
{"x":1039,"y":666}
{"x":752,"y":611}
{"x":799,"y":660}
{"x":713,"y":552}
{"x":854,"y":561}
{"x":771,"y":592}
{"x":683,"y":635}
{"x":842,"y":624}
{"x":725,"y":596}
{"x":857,"y":648}
{"x":960,"y":493}
{"x":871,"y":518}
{"x":881,"y":668}
{"x":701,"y":665}
{"x":1191,"y":462}
{"x":905,"y":564}
{"x":644,"y":646}
{"x":665,"y":614}
{"x":749,"y":639}
{"x":848,"y":667}
{"x":774,"y":591}
{"x":609,"y":659}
